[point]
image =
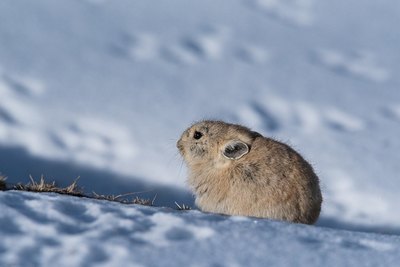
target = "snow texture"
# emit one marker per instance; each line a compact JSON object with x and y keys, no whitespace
{"x":55,"y":230}
{"x":103,"y":89}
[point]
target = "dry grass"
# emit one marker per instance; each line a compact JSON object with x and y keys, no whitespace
{"x":122,"y":199}
{"x":182,"y":207}
{"x":73,"y":190}
{"x":2,"y":183}
{"x":43,"y":186}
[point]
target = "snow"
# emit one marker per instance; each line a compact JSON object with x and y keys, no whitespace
{"x":102,"y":90}
{"x":54,"y":230}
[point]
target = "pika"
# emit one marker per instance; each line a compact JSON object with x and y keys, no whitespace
{"x":236,"y":171}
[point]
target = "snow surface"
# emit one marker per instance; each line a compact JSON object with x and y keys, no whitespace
{"x":54,"y":230}
{"x":103,"y":89}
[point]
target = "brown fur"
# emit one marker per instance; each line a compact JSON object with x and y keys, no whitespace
{"x":271,"y":180}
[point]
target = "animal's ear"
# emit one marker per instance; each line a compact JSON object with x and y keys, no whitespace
{"x":235,"y":149}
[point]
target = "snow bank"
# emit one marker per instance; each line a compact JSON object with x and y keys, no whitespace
{"x":54,"y":230}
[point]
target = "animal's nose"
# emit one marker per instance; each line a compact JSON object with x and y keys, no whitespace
{"x":179,"y":144}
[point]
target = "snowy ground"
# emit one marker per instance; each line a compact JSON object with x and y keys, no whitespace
{"x":65,"y":231}
{"x":102,"y":89}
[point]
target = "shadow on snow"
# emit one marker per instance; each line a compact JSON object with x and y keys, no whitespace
{"x":17,"y":164}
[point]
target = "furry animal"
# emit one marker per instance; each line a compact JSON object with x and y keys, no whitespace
{"x":236,"y":171}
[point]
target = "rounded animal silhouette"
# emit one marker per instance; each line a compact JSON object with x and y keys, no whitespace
{"x":236,"y":171}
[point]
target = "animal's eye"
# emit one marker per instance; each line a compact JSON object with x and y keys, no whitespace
{"x":197,"y":135}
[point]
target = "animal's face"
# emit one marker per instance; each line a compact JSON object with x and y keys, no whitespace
{"x":213,"y":141}
{"x":198,"y":142}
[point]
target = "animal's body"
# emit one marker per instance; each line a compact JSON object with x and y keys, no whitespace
{"x":235,"y":171}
